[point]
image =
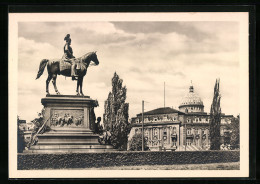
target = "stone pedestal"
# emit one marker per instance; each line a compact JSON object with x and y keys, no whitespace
{"x":69,"y":111}
{"x":71,"y":120}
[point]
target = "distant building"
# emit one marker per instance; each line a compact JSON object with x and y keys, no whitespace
{"x":25,"y":130}
{"x":22,"y":125}
{"x":30,"y":126}
{"x":180,"y":130}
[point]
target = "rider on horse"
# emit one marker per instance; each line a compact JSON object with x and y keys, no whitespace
{"x":68,"y":54}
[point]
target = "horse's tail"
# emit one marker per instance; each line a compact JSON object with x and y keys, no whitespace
{"x":41,"y":67}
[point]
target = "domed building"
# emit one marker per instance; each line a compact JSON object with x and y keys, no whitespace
{"x":186,"y":129}
{"x":191,"y":102}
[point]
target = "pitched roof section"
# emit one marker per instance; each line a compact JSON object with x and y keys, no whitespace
{"x":162,"y":110}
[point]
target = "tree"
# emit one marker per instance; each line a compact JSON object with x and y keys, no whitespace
{"x":115,"y":117}
{"x":235,"y":133}
{"x":136,"y":143}
{"x":215,"y":118}
{"x":20,"y":137}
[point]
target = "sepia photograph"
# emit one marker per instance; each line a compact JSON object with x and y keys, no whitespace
{"x":129,"y":95}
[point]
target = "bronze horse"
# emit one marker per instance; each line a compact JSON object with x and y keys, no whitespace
{"x":53,"y":67}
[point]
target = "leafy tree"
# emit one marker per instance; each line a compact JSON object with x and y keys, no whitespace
{"x":215,"y":118}
{"x":235,"y":128}
{"x":116,"y":114}
{"x":136,"y":143}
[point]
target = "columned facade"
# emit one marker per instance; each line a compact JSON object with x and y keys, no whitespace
{"x":186,"y":129}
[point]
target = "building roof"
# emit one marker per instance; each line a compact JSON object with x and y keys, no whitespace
{"x":20,"y":121}
{"x":191,"y":98}
{"x":197,"y":114}
{"x":162,"y":110}
{"x":156,"y":123}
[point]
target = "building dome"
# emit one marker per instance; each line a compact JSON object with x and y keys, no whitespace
{"x":191,"y":102}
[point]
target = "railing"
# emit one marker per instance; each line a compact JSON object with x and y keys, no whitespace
{"x":33,"y":138}
{"x":190,"y":136}
{"x":174,"y":135}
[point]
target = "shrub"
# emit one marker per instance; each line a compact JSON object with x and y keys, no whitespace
{"x":136,"y":143}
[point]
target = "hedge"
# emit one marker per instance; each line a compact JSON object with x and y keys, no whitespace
{"x":27,"y":161}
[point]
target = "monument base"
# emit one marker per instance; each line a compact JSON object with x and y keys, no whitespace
{"x":71,"y":120}
{"x":62,"y":140}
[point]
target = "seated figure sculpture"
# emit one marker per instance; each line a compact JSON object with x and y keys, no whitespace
{"x":105,"y":138}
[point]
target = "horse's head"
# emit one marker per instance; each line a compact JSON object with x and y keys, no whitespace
{"x":92,"y":56}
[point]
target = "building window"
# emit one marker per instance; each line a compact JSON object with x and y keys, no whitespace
{"x":196,"y":142}
{"x":146,"y":132}
{"x":174,"y":130}
{"x":221,"y":131}
{"x":188,"y":142}
{"x":174,"y":142}
{"x":165,"y":118}
{"x":155,"y":131}
{"x":165,"y":132}
{"x":188,"y":131}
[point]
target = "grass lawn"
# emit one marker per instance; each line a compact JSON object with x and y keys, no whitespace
{"x":214,"y":166}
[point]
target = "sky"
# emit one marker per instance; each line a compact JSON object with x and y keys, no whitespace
{"x":143,"y":54}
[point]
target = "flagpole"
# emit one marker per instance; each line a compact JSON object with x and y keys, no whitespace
{"x":142,"y":125}
{"x":164,"y":95}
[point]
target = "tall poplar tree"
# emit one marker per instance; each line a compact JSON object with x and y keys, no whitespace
{"x":215,"y":119}
{"x":235,"y":134}
{"x":115,"y":117}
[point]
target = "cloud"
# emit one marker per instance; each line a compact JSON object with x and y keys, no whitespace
{"x":31,"y":52}
{"x":186,"y":29}
{"x":91,"y":32}
{"x":144,"y":54}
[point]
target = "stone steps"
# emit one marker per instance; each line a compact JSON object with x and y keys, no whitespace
{"x":51,"y":147}
{"x":68,"y":134}
{"x":68,"y":143}
{"x":84,"y":150}
{"x":63,"y":132}
{"x":67,"y":140}
{"x":71,"y":129}
{"x":68,"y":130}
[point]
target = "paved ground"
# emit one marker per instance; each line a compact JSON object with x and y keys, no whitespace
{"x":215,"y":166}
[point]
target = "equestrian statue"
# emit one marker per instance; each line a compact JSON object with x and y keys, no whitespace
{"x":68,"y":66}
